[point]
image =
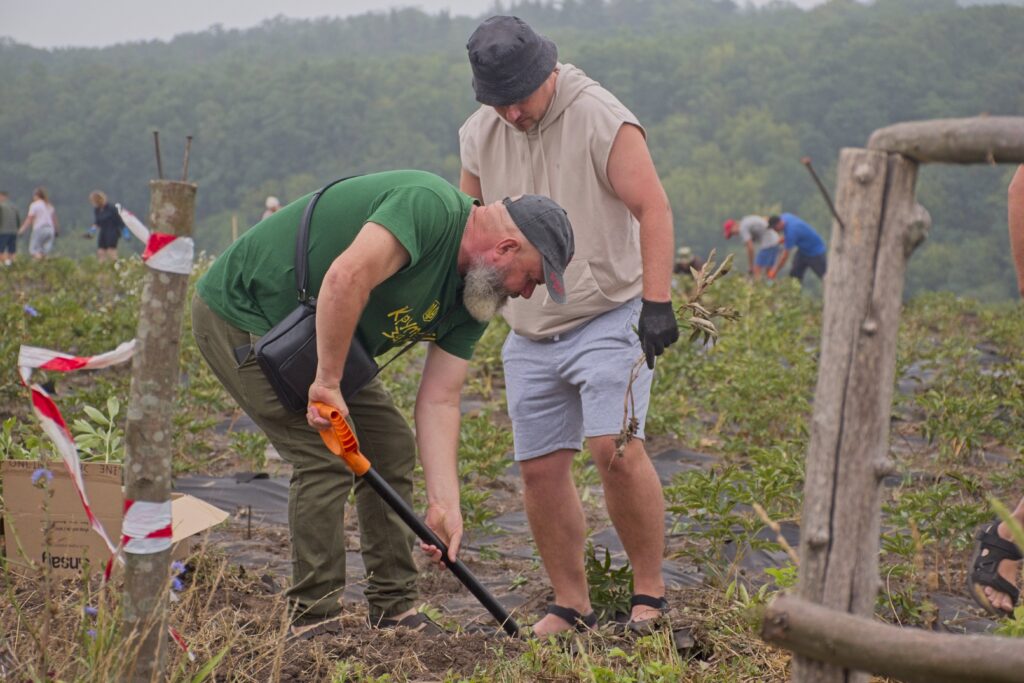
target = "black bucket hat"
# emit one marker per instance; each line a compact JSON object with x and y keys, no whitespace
{"x":509,"y":60}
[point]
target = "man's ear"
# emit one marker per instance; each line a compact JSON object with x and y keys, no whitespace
{"x":508,"y":246}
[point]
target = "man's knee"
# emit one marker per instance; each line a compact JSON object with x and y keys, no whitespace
{"x":607,"y":458}
{"x":546,"y":468}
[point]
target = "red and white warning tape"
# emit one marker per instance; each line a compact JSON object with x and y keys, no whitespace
{"x":146,"y":527}
{"x":33,"y":357}
{"x":164,"y":252}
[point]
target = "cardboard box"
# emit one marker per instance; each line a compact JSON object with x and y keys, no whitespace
{"x":72,"y":540}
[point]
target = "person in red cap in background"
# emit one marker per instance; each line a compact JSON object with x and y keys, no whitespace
{"x":761,"y":242}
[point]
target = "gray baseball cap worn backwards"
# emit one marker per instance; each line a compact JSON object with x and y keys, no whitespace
{"x":509,"y":60}
{"x":546,"y":225}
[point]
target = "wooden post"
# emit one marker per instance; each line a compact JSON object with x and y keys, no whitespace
{"x":148,"y":435}
{"x":907,"y":654}
{"x":978,"y":140}
{"x":234,"y":227}
{"x":848,"y":452}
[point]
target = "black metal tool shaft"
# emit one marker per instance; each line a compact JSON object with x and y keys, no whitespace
{"x":460,"y":570}
{"x":806,"y":161}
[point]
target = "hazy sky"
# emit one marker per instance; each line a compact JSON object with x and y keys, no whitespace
{"x":96,"y":23}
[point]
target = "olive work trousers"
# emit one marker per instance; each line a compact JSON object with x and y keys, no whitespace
{"x":321,"y":482}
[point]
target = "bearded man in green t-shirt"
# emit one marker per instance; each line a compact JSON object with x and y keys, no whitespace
{"x":388,"y":254}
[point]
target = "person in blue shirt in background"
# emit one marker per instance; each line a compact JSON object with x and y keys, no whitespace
{"x":810,"y":248}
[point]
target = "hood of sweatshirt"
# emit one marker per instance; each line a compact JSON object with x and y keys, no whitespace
{"x":570,"y":83}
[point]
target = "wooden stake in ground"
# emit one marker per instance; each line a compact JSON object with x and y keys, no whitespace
{"x":148,"y":436}
{"x":848,"y":454}
{"x":907,"y":654}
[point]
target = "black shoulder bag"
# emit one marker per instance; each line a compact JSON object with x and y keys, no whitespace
{"x":287,"y":353}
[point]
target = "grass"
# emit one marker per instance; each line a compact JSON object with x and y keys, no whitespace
{"x":957,"y":438}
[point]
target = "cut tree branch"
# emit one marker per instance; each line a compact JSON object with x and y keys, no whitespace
{"x":908,"y":654}
{"x":978,"y":140}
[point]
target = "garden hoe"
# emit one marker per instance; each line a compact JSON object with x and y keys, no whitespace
{"x":342,"y":442}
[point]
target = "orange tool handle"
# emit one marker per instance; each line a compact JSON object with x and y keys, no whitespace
{"x":340,"y":440}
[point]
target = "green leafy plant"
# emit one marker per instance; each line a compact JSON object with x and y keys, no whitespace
{"x":251,"y":447}
{"x":102,"y":439}
{"x":610,"y":587}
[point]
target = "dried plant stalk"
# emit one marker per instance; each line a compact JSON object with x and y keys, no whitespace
{"x":701,"y":321}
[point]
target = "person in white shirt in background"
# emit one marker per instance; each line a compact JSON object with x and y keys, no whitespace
{"x":42,"y":217}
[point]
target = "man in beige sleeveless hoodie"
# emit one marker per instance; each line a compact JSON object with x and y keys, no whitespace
{"x":547,"y":128}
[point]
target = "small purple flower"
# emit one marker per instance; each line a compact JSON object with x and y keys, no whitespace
{"x":91,"y":611}
{"x":91,"y":633}
{"x":178,"y":567}
{"x":39,"y":474}
{"x":177,"y":585}
{"x":31,"y":311}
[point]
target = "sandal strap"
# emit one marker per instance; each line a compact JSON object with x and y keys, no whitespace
{"x":1004,"y":586}
{"x":649,"y":601}
{"x":997,"y":545}
{"x":570,"y":616}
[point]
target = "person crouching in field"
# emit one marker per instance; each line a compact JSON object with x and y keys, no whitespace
{"x":393,"y":257}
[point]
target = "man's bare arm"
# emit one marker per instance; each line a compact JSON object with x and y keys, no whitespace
{"x":633,"y":177}
{"x":1015,"y":220}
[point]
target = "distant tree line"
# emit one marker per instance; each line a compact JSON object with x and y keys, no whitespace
{"x":731,"y":98}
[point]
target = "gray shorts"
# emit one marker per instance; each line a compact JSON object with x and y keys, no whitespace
{"x":573,"y":386}
{"x":41,"y":241}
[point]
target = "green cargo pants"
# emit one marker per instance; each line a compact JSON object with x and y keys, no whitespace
{"x":320,"y":481}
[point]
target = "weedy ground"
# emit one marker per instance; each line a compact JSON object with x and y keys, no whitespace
{"x":957,"y":437}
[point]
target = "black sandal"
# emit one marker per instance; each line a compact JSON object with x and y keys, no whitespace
{"x":579,"y":622}
{"x":646,"y":627}
{"x":992,"y":549}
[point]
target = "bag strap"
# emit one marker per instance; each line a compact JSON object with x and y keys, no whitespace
{"x":302,"y":268}
{"x":302,"y":241}
{"x":434,"y":325}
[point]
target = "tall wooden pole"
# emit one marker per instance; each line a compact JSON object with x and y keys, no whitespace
{"x":848,"y":452}
{"x":149,"y":431}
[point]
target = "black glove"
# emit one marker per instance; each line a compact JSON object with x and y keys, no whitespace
{"x":657,"y":328}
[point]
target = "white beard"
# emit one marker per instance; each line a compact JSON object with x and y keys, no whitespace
{"x":484,"y":293}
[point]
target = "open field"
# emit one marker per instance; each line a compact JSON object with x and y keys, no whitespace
{"x":727,"y":429}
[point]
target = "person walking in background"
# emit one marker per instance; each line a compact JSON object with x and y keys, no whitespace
{"x":762,"y":243}
{"x":9,"y":221}
{"x":547,"y":128}
{"x":995,"y":569}
{"x":45,"y":228}
{"x":271,"y":206}
{"x":810,"y":248}
{"x":108,"y":224}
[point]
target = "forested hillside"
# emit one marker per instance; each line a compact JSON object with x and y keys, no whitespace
{"x":731,"y":98}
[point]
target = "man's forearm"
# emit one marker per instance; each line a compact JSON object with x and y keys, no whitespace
{"x":338,"y":308}
{"x":782,"y":261}
{"x":656,"y":249}
{"x":437,"y":438}
{"x":1015,"y":220}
